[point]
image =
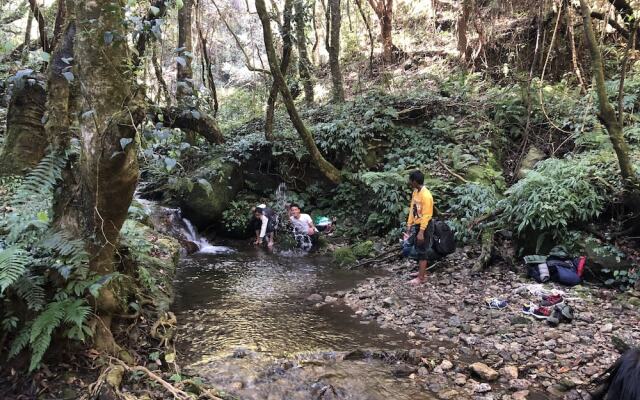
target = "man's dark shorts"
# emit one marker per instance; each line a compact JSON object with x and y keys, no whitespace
{"x":424,"y":251}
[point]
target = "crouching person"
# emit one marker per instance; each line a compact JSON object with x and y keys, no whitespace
{"x":264,"y":223}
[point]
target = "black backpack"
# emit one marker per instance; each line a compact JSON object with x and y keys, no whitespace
{"x":444,"y":241}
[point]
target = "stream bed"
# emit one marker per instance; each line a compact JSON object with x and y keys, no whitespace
{"x":247,"y":327}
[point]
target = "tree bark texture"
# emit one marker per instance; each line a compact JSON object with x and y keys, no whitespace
{"x":25,"y":142}
{"x":27,"y":37}
{"x":304,"y":64}
{"x":384,"y":11}
{"x":59,"y":24}
{"x":607,"y":114}
{"x":284,"y":66}
{"x":111,"y":107}
{"x":334,"y":50}
{"x":327,"y":169}
{"x":463,"y":21}
{"x":190,"y":122}
{"x":185,"y":73}
{"x":42,"y":29}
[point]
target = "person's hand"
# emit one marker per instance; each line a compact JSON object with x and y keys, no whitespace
{"x":257,"y":242}
{"x":406,"y":236}
{"x":420,"y":238}
{"x":311,"y":231}
{"x":270,"y":245}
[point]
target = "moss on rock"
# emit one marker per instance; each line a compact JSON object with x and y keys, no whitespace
{"x":344,"y":256}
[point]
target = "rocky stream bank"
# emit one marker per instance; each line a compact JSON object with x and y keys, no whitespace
{"x":469,"y":351}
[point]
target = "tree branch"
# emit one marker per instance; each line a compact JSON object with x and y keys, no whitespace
{"x":248,"y":64}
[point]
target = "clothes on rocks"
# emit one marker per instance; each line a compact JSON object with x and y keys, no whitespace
{"x":558,"y":266}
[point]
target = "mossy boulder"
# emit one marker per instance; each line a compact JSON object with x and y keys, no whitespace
{"x":209,"y":191}
{"x":534,"y":155}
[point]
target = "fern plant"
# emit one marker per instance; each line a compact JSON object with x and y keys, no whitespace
{"x":31,"y":252}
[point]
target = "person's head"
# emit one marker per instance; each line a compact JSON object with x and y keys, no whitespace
{"x":257,"y":212}
{"x":416,"y":179}
{"x":295,"y":210}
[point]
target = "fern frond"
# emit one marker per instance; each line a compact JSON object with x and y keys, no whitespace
{"x":30,"y":289}
{"x":68,"y":247}
{"x":48,"y":320}
{"x":13,"y":264}
{"x":38,"y":347}
{"x":77,"y":312}
{"x":20,"y":342}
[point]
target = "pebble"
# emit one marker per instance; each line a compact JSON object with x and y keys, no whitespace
{"x":484,"y":371}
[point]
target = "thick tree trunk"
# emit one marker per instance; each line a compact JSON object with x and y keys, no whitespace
{"x":386,"y":27}
{"x":191,"y":122}
{"x":25,"y":141}
{"x":59,"y":24}
{"x":111,"y":108}
{"x":463,"y":20}
{"x":185,"y":74}
{"x":329,"y":171}
{"x":284,"y":66}
{"x":607,"y":114}
{"x":334,"y":50}
{"x":384,"y":11}
{"x":304,"y":64}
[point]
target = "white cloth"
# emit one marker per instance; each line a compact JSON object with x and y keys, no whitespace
{"x":263,"y":228}
{"x":303,"y":223}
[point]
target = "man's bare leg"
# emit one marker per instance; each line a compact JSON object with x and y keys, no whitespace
{"x":422,"y":271}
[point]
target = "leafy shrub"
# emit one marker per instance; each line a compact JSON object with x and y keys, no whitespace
{"x":362,"y":249}
{"x":560,"y":192}
{"x":467,"y":203}
{"x":344,"y":256}
{"x":235,"y":217}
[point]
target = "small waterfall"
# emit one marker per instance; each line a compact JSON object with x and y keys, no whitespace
{"x":171,"y":222}
{"x":191,"y":234}
{"x":284,"y":223}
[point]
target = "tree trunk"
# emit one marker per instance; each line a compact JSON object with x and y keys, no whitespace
{"x":386,"y":27}
{"x":384,"y":11}
{"x":368,"y":26}
{"x":284,"y":66}
{"x":27,"y":38}
{"x":111,"y":108}
{"x":607,"y":115}
{"x":304,"y":65}
{"x":44,"y":40}
{"x":158,"y":72}
{"x":25,"y":141}
{"x":190,"y":121}
{"x":59,"y":24}
{"x":334,"y":50}
{"x":329,"y":171}
{"x":184,"y":81}
{"x":463,"y":20}
{"x":207,"y":74}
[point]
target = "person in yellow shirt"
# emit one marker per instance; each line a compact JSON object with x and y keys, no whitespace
{"x":419,"y":230}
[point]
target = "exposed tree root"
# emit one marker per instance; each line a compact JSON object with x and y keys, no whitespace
{"x":487,"y":250}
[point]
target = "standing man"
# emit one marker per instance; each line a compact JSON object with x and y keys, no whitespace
{"x":419,"y":229}
{"x":264,"y":218}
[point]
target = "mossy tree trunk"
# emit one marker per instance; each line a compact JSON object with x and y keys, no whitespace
{"x":25,"y":141}
{"x":111,"y":107}
{"x":327,"y":169}
{"x":463,"y":22}
{"x":334,"y":50}
{"x":304,"y":64}
{"x":284,"y":66}
{"x":607,"y":115}
{"x":184,"y":81}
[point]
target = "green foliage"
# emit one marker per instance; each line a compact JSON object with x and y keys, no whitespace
{"x":559,"y":193}
{"x":362,"y":249}
{"x":344,"y":256}
{"x":34,"y":260}
{"x":467,"y":203}
{"x":235,"y":217}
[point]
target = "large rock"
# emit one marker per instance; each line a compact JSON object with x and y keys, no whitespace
{"x":484,"y":371}
{"x":25,"y":140}
{"x":534,"y":155}
{"x":209,"y":192}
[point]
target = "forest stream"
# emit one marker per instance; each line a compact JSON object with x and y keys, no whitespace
{"x":247,"y":327}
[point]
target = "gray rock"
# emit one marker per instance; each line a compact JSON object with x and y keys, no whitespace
{"x":484,"y":371}
{"x":314,"y":298}
{"x":482,"y":388}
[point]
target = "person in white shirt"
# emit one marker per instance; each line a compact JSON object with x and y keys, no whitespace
{"x":265,"y":220}
{"x":302,"y":223}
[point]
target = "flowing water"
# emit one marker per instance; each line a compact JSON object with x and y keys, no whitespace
{"x":247,"y":327}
